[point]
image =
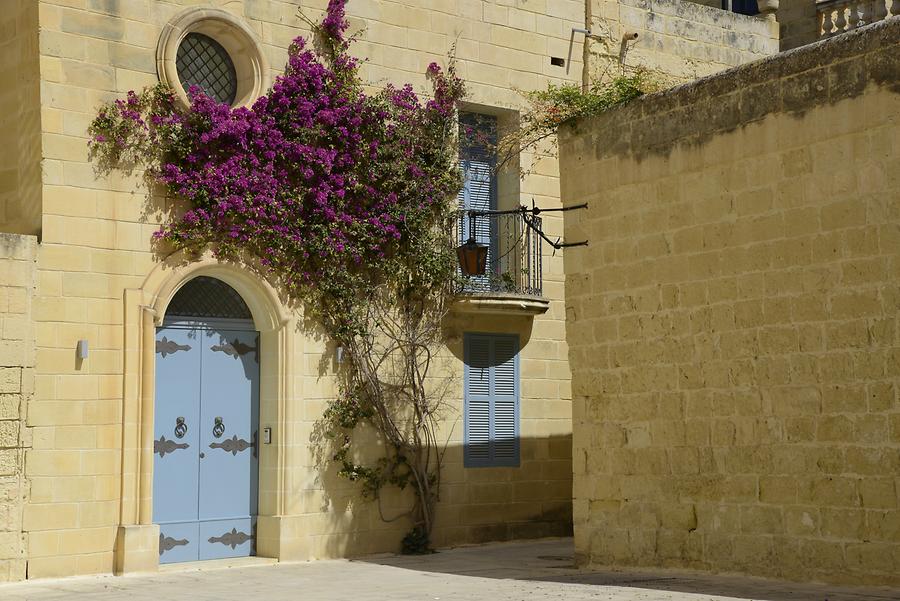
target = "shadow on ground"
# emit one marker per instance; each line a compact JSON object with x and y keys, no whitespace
{"x":551,"y":560}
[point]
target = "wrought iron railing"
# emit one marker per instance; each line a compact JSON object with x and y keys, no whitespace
{"x":514,"y":262}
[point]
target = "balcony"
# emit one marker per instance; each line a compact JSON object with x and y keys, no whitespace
{"x":512,"y":283}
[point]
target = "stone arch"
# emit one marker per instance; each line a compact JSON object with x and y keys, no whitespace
{"x":145,"y":308}
{"x":169,"y":276}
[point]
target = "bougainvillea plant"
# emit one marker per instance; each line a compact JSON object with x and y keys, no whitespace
{"x":342,"y":198}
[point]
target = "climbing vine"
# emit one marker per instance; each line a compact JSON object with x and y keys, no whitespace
{"x":344,"y":199}
{"x":547,"y":109}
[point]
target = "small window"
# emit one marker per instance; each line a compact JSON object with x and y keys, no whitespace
{"x":203,"y":62}
{"x":742,"y":7}
{"x":491,"y":420}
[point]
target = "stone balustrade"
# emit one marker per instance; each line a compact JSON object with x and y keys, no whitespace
{"x":838,"y":16}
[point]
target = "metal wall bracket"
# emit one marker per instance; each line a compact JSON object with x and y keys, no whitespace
{"x":528,"y":216}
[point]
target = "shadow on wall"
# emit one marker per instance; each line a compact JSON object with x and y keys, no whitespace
{"x":476,"y":505}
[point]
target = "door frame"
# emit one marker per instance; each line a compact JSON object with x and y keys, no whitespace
{"x":145,"y":308}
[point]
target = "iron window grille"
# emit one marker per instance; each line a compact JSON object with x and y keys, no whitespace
{"x":203,"y":62}
{"x":208,"y":297}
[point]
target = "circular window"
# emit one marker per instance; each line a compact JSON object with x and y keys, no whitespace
{"x":203,"y":62}
{"x":215,"y":51}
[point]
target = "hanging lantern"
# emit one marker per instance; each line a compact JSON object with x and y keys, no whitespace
{"x":472,"y":257}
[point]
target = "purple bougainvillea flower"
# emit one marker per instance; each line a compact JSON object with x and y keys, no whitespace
{"x":316,"y":178}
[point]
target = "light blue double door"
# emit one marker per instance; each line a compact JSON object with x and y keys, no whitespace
{"x":206,"y":466}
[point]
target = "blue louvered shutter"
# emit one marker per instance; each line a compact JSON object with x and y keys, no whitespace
{"x":477,"y":401}
{"x":505,"y":397}
{"x":491,"y":400}
{"x":479,"y":192}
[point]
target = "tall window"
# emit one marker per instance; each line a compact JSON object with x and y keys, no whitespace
{"x":491,"y":400}
{"x":478,"y":160}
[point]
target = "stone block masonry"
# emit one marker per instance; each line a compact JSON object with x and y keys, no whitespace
{"x":17,"y":281}
{"x":732,"y":325}
{"x":20,"y":116}
{"x":678,"y":40}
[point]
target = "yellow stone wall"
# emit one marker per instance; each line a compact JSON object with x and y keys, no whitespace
{"x":18,"y":254}
{"x":88,"y":505}
{"x":798,"y":23}
{"x":733,"y":327}
{"x":20,"y":111}
{"x":678,"y":40}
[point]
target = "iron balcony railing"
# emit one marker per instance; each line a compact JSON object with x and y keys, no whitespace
{"x":514,"y":261}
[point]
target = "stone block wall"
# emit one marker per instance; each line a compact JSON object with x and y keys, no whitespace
{"x":733,"y":324}
{"x":797,"y":23}
{"x":17,"y":282}
{"x":677,"y":39}
{"x":20,"y":113}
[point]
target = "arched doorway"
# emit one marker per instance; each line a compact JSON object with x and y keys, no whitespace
{"x":206,"y":425}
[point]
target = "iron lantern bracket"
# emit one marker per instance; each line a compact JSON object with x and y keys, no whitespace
{"x":528,"y":216}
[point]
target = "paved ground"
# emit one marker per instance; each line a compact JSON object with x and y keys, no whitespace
{"x":502,"y":572}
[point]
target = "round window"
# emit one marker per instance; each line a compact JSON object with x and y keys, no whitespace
{"x":215,"y":51}
{"x":203,"y":62}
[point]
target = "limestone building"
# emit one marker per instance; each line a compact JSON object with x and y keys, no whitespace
{"x":93,"y":319}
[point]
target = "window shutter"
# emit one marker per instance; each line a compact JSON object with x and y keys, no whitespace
{"x":505,"y":434}
{"x":479,"y":191}
{"x":477,"y":160}
{"x":477,"y":452}
{"x":491,"y":400}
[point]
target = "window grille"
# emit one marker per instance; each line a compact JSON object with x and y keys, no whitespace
{"x":203,"y":62}
{"x":208,"y":297}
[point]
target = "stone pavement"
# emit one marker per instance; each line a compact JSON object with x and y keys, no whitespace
{"x":532,"y":570}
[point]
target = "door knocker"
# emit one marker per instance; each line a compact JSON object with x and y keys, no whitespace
{"x":180,"y":427}
{"x":219,"y":428}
